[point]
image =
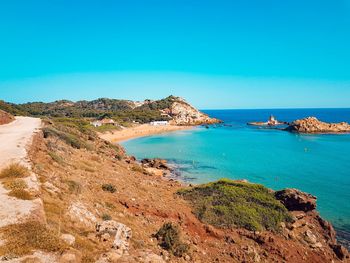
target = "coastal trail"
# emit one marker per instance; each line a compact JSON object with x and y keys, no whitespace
{"x":15,"y":137}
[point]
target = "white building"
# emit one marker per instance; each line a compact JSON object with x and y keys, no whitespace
{"x":159,"y":123}
{"x":99,"y":123}
{"x":96,"y":123}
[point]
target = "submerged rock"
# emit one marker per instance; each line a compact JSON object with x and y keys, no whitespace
{"x":295,"y":200}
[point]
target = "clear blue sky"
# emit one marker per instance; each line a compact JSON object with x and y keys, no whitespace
{"x":217,"y":54}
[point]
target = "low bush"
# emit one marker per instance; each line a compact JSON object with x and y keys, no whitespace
{"x":106,"y":217}
{"x":228,"y":203}
{"x":14,"y":171}
{"x":168,"y":237}
{"x":109,"y":188}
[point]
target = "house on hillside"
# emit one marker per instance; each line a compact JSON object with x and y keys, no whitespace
{"x":96,"y":123}
{"x":99,"y":123}
{"x":159,"y":123}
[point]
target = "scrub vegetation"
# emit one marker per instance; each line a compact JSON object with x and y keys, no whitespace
{"x":122,"y":111}
{"x":21,"y":239}
{"x":229,"y":204}
{"x":168,"y":237}
{"x":14,"y":170}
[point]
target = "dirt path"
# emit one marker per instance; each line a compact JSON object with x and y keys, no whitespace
{"x":15,"y":137}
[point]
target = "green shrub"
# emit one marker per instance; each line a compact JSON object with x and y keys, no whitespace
{"x":106,"y":217}
{"x":228,"y":203}
{"x":168,"y":237}
{"x":109,"y":188}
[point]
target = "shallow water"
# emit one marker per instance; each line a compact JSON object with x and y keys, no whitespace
{"x":318,"y":164}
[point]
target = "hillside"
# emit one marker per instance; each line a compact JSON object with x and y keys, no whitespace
{"x":172,"y":108}
{"x":100,"y":205}
{"x":5,"y":117}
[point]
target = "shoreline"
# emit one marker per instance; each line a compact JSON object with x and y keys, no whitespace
{"x":143,"y":130}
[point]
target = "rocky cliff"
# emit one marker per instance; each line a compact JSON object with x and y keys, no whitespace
{"x":183,"y":113}
{"x":313,"y":125}
{"x":5,"y":117}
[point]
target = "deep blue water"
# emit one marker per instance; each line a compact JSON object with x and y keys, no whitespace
{"x":318,"y":164}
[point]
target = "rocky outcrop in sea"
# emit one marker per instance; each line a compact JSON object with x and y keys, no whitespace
{"x":313,"y":125}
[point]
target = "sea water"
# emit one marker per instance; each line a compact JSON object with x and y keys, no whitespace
{"x":317,"y":164}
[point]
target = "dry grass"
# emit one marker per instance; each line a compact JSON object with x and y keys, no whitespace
{"x":17,"y":189}
{"x":74,"y":187}
{"x":57,"y":158}
{"x":137,"y":168}
{"x":17,"y":184}
{"x":14,"y":170}
{"x":21,"y":239}
{"x":21,"y":194}
{"x":89,"y":248}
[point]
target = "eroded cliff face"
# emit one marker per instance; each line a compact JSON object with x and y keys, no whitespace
{"x":183,"y":113}
{"x":313,"y":125}
{"x":5,"y":117}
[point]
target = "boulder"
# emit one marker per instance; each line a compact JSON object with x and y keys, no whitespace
{"x":295,"y":200}
{"x":155,"y":163}
{"x":81,"y":215}
{"x":130,"y":159}
{"x":68,"y":239}
{"x":119,"y":232}
{"x":309,"y":237}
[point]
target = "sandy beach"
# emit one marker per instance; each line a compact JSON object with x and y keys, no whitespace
{"x":140,"y":131}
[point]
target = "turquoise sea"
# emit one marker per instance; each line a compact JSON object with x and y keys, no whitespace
{"x":317,"y":164}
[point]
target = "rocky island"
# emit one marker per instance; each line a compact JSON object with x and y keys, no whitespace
{"x":313,"y":125}
{"x":272,"y":121}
